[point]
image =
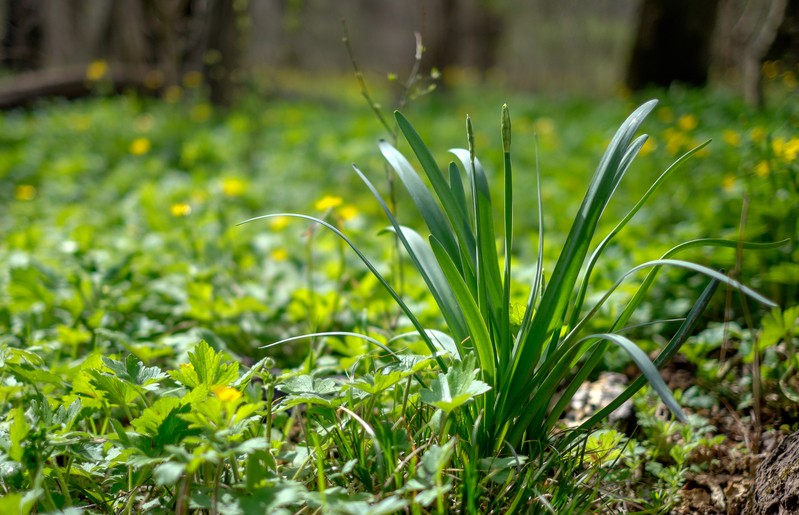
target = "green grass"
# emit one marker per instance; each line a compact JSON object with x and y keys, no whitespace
{"x":121,"y":253}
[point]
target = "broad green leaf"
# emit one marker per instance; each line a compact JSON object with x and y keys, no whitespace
{"x":456,"y":387}
{"x":149,"y":422}
{"x":779,"y":325}
{"x":19,"y":503}
{"x":113,"y":389}
{"x":206,"y":367}
{"x":133,"y":371}
{"x":17,"y":433}
{"x":30,"y":375}
{"x":167,"y":474}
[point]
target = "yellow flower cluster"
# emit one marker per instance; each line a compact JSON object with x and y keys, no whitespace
{"x":180,"y":209}
{"x":279,"y":223}
{"x":731,"y":137}
{"x":687,"y":122}
{"x":762,"y":169}
{"x":328,"y":202}
{"x":233,"y":187}
{"x":226,"y":393}
{"x":786,"y":150}
{"x":25,"y":192}
{"x":140,"y":146}
{"x":96,"y":70}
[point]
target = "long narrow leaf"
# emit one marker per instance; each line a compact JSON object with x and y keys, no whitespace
{"x":480,"y":337}
{"x":424,"y":263}
{"x":560,"y":288}
{"x":448,"y":201}
{"x":624,"y":221}
{"x":484,"y":233}
{"x":424,"y":200}
{"x":685,"y":330}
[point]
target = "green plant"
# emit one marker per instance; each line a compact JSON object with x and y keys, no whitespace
{"x":521,"y":366}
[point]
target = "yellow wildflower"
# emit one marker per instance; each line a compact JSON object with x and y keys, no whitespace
{"x":226,"y":393}
{"x":279,"y":223}
{"x":675,"y":140}
{"x":687,"y":122}
{"x":758,"y":134}
{"x":180,"y":209}
{"x":665,"y":114}
{"x":770,"y":70}
{"x":154,"y":79}
{"x":762,"y":169}
{"x":139,"y":146}
{"x":96,"y":70}
{"x":731,"y":137}
{"x":789,"y":80}
{"x":200,"y":112}
{"x":348,"y":213}
{"x":328,"y":202}
{"x":173,"y":94}
{"x":192,"y":79}
{"x":728,"y":183}
{"x":649,"y":146}
{"x":233,"y":187}
{"x":786,"y":149}
{"x":544,"y":126}
{"x":279,"y":254}
{"x":25,"y":192}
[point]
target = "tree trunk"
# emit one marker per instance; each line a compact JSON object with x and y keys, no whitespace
{"x":223,"y":56}
{"x":673,"y":43}
{"x":22,"y":35}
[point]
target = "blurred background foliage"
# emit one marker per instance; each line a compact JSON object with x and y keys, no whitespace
{"x":594,"y":48}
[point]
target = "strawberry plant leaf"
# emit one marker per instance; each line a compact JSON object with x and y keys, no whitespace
{"x":456,"y":387}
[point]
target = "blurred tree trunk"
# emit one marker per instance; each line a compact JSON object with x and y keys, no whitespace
{"x":751,"y":31}
{"x":224,"y":50}
{"x":466,"y":34}
{"x":22,"y":34}
{"x":170,"y":36}
{"x":673,"y":43}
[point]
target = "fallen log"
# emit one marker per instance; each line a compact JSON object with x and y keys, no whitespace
{"x":22,"y":90}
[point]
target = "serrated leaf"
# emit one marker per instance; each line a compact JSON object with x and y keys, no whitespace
{"x":167,"y":474}
{"x":777,"y":325}
{"x":66,"y":416}
{"x":133,"y":371}
{"x":304,"y":384}
{"x":206,"y":367}
{"x":28,"y":374}
{"x":456,"y":387}
{"x":151,"y":418}
{"x":113,"y":389}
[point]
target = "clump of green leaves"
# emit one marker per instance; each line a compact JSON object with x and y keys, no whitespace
{"x":525,"y":363}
